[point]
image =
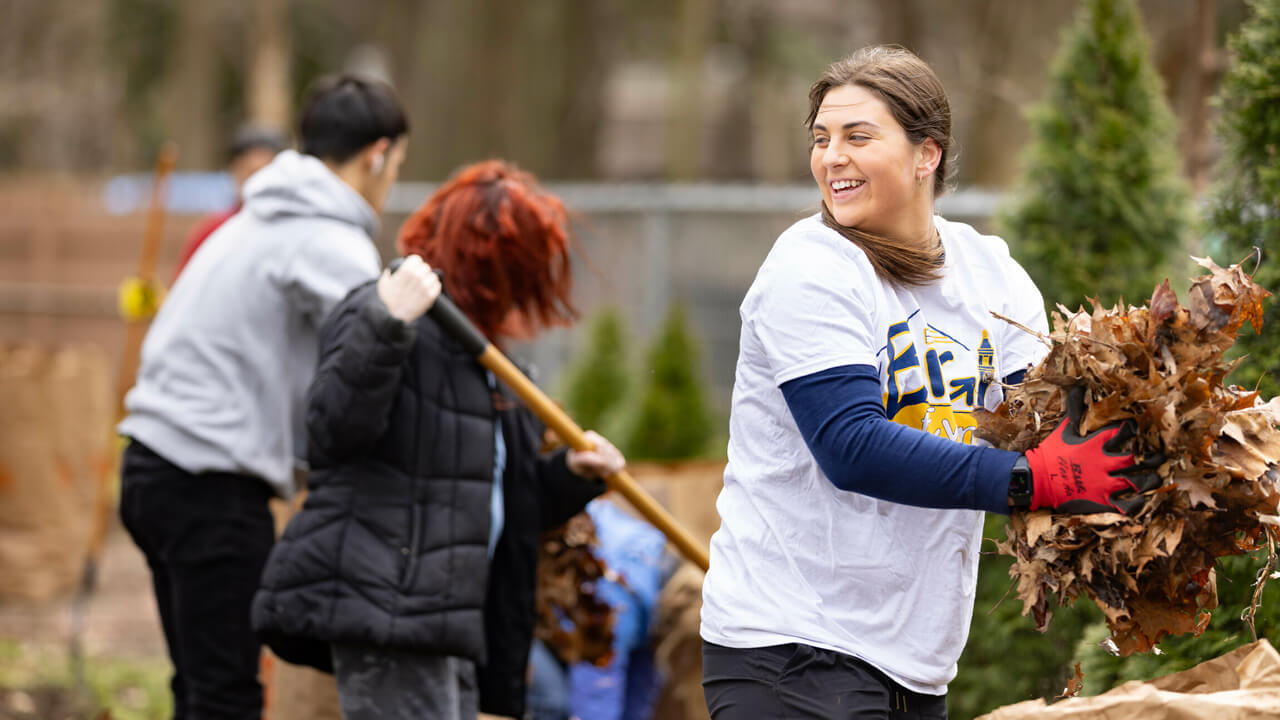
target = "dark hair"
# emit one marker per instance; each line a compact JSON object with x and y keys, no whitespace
{"x":343,"y":115}
{"x":917,"y":101}
{"x":502,"y":243}
{"x":253,"y":137}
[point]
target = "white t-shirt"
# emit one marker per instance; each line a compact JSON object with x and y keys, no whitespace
{"x":797,"y":560}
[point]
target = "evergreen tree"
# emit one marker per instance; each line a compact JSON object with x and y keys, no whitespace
{"x":1099,"y":208}
{"x":1226,"y":632}
{"x":1101,"y":205}
{"x":1245,"y":206}
{"x":1006,"y":660}
{"x":597,"y":383}
{"x":670,"y":420}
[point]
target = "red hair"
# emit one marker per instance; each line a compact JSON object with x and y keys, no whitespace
{"x":503,"y":245}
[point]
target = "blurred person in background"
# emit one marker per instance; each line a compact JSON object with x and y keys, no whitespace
{"x":626,"y":688}
{"x":250,"y":151}
{"x":214,"y":420}
{"x":414,"y":558}
{"x":843,"y":574}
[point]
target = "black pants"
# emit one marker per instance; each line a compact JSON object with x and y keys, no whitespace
{"x":206,"y":538}
{"x":799,"y":681}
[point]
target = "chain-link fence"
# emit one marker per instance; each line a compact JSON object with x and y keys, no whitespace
{"x":640,"y":247}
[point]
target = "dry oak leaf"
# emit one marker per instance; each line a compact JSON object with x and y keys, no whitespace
{"x":1162,"y":366}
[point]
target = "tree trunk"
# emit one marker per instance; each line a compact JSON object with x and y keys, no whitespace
{"x":900,"y":24}
{"x":1200,"y":71}
{"x":431,"y":79}
{"x":693,"y":37}
{"x":192,"y":84}
{"x":733,"y":135}
{"x":990,"y":84}
{"x":268,"y":81}
{"x":590,"y":30}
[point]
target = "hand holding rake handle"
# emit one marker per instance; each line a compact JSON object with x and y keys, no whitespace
{"x":447,"y":314}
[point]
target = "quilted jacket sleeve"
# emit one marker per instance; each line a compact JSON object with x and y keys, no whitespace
{"x":362,"y":353}
{"x":564,"y":493}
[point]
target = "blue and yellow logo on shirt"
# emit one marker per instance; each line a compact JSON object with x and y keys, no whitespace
{"x":938,"y":390}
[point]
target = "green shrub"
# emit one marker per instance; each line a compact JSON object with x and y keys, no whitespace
{"x":669,"y":419}
{"x":1100,"y":207}
{"x":129,"y":688}
{"x":1098,"y":211}
{"x":596,"y":385}
{"x":1006,"y":659}
{"x":1244,"y":210}
{"x":1226,"y":632}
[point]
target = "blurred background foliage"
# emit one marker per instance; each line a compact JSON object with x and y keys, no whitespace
{"x":1244,"y":205}
{"x":570,"y":89}
{"x":667,"y":417}
{"x":598,"y":382}
{"x":1110,"y":180}
{"x":655,"y":406}
{"x":1101,"y":209}
{"x":34,"y":683}
{"x":1104,"y":211}
{"x":1226,"y":631}
{"x":1006,"y":659}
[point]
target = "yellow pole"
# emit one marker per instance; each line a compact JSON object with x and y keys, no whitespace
{"x":566,"y":428}
{"x":135,"y":330}
{"x":136,"y":327}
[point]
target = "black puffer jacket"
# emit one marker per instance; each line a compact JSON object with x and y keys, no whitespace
{"x":390,"y":547}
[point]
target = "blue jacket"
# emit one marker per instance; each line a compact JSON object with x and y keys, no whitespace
{"x":626,"y":688}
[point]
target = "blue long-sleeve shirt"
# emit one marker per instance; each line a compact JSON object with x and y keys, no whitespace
{"x":841,"y":415}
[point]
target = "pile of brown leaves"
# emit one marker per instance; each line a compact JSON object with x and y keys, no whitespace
{"x":568,"y":574}
{"x":1162,"y":365}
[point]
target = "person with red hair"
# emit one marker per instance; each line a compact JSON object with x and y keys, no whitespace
{"x":414,"y":557}
{"x":503,"y":245}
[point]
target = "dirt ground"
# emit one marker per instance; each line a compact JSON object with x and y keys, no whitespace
{"x":122,"y":642}
{"x":121,"y":619}
{"x":122,"y":622}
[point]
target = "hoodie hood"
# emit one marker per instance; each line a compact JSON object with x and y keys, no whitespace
{"x":296,"y":185}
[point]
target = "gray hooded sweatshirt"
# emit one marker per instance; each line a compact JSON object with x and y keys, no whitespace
{"x":227,"y":362}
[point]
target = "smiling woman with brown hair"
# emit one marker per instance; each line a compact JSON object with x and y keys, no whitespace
{"x":843,"y":573}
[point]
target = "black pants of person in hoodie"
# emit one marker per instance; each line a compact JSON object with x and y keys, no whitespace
{"x":206,"y":538}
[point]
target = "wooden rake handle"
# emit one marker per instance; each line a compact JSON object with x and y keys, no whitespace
{"x":447,"y":314}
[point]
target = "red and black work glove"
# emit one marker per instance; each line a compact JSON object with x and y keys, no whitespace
{"x":1071,"y":473}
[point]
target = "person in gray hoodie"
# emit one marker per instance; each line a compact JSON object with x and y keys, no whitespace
{"x":214,"y":420}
